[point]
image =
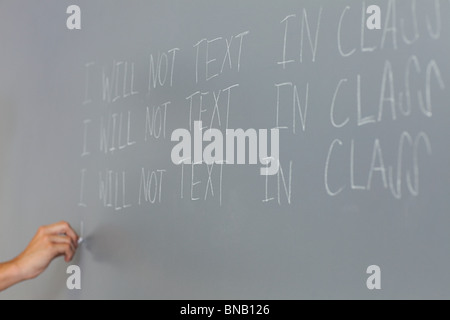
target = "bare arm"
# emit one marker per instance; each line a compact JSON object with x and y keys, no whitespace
{"x":49,"y":243}
{"x":9,"y":275}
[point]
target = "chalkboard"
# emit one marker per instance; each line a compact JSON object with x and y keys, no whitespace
{"x":89,"y":121}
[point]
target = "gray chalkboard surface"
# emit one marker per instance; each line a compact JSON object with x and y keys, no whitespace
{"x":363,"y":115}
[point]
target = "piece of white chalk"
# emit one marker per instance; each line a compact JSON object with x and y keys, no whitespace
{"x":80,"y":239}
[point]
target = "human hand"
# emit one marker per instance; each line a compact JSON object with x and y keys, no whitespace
{"x":50,"y":242}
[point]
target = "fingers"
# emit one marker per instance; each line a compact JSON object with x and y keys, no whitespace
{"x":62,"y":228}
{"x":64,"y":249}
{"x":60,"y":239}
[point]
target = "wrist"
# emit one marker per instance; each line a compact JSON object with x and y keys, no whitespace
{"x":15,"y":271}
{"x":10,"y":274}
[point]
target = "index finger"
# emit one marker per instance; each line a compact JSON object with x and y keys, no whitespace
{"x":62,"y":228}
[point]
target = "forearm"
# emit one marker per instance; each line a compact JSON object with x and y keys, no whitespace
{"x":9,"y":275}
{"x":51,"y":241}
